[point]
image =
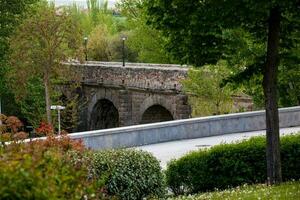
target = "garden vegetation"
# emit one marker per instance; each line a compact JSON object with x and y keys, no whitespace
{"x":61,"y":168}
{"x":230,"y":165}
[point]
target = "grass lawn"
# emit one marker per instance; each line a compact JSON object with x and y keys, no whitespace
{"x":285,"y":191}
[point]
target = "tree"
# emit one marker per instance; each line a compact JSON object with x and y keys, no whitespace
{"x":196,"y":35}
{"x":206,"y":94}
{"x":145,"y":40}
{"x":41,"y":43}
{"x":98,"y":44}
{"x":11,"y":13}
{"x":97,"y":14}
{"x":247,"y":50}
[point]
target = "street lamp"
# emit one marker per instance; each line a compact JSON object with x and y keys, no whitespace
{"x":85,"y":46}
{"x":58,"y":108}
{"x":123,"y":50}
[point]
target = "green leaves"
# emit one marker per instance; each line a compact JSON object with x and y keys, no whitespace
{"x":131,"y":174}
{"x":230,"y":165}
{"x":203,"y":32}
{"x":207,"y":96}
{"x":39,"y":45}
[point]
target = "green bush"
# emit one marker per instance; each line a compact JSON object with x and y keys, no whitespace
{"x":229,"y":165}
{"x":44,"y":170}
{"x":131,"y":174}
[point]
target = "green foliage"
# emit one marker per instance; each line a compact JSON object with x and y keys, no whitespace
{"x":32,"y":104}
{"x":149,"y":44}
{"x":104,"y":30}
{"x":195,"y":32}
{"x":105,"y":47}
{"x":98,"y":44}
{"x":289,"y":84}
{"x":230,"y":165}
{"x":205,"y":32}
{"x":290,"y":150}
{"x":70,"y":115}
{"x":40,"y":44}
{"x":285,"y":191}
{"x":97,"y":14}
{"x":44,"y":170}
{"x":146,"y":41}
{"x":208,"y":96}
{"x":115,"y":47}
{"x":131,"y":174}
{"x":246,"y":60}
{"x":12,"y":12}
{"x":196,"y":29}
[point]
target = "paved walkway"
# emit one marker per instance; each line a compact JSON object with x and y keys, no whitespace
{"x":176,"y":149}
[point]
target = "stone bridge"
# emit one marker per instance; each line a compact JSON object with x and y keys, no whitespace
{"x":114,"y":96}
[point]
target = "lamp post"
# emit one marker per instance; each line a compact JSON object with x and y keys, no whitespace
{"x":58,"y":108}
{"x":123,"y":50}
{"x":85,"y":46}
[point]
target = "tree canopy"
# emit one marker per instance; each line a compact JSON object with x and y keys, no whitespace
{"x":41,"y":43}
{"x":11,"y":13}
{"x":196,"y":32}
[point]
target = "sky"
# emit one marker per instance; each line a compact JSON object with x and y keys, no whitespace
{"x":79,"y":2}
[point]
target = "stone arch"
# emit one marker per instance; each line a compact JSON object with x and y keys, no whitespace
{"x":104,"y":115}
{"x":160,"y":109}
{"x":156,"y":113}
{"x":98,"y":95}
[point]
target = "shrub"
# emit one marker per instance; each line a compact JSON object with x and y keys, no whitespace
{"x":44,"y":170}
{"x":44,"y":129}
{"x":131,"y":174}
{"x":229,"y":165}
{"x":11,"y":129}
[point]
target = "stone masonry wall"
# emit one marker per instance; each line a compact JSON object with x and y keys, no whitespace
{"x":133,"y":75}
{"x":132,"y":89}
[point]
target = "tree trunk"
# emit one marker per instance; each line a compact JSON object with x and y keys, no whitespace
{"x":47,"y":97}
{"x":270,"y":92}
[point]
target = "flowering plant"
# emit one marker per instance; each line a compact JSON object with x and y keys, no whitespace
{"x":45,"y":129}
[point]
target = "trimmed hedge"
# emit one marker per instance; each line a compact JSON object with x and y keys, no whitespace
{"x":131,"y":174}
{"x":229,"y":165}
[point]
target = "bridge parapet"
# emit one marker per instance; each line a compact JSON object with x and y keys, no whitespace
{"x":141,"y":76}
{"x":139,"y":135}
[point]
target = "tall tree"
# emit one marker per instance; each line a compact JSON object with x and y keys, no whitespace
{"x":41,"y":43}
{"x":145,"y":40}
{"x":11,"y":13}
{"x":196,"y":35}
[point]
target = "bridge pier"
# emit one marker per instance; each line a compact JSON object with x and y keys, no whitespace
{"x":125,"y":111}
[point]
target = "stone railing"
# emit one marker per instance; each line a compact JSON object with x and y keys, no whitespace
{"x":184,"y":129}
{"x":133,"y":75}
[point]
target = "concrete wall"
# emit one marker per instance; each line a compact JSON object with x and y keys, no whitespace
{"x":184,"y":129}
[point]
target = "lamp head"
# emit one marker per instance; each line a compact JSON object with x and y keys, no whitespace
{"x":57,"y":107}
